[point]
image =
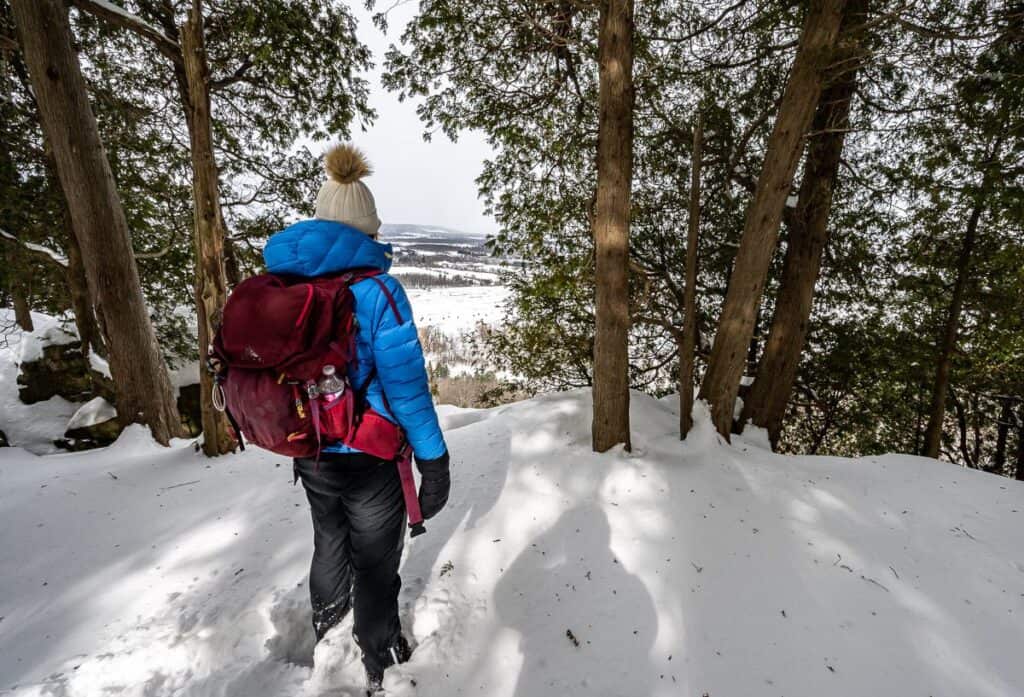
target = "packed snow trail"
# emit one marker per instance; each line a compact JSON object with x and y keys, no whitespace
{"x":683,"y":568}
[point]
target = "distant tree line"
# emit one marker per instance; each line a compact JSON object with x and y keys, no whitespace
{"x":430,"y":280}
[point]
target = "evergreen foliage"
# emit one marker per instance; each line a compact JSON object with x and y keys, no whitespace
{"x":936,"y":137}
{"x":526,"y":76}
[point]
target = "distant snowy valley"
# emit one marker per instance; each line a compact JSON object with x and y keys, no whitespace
{"x":457,"y":293}
{"x":452,"y":282}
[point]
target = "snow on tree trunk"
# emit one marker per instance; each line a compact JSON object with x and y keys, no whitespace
{"x":760,"y":230}
{"x":611,"y":225}
{"x":138,"y":369}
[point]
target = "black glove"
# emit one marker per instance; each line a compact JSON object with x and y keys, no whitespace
{"x":435,"y":484}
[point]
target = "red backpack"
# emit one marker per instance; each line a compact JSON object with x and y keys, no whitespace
{"x":276,"y":335}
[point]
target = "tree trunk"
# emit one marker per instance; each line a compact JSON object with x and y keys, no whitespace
{"x":81,"y":296}
{"x":766,"y":402}
{"x":74,"y":275}
{"x":1019,"y":472}
{"x":22,"y":310}
{"x":961,"y":423}
{"x":755,"y":340}
{"x":1002,"y":435}
{"x":74,"y":272}
{"x":211,"y":286}
{"x":143,"y":387}
{"x":689,"y":338}
{"x":977,"y":440}
{"x":760,"y":230}
{"x":611,"y":225}
{"x":232,"y":269}
{"x":944,"y":361}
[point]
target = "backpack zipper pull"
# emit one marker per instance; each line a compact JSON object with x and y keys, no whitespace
{"x":298,"y":402}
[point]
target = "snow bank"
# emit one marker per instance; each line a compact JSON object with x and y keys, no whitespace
{"x":49,"y":331}
{"x":35,"y":427}
{"x":95,"y":411}
{"x":31,"y":427}
{"x":184,"y":374}
{"x":682,"y":568}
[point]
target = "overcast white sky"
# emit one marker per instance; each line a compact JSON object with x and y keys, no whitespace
{"x":415,"y":181}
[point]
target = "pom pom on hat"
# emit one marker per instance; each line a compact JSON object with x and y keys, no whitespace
{"x":346,"y":164}
{"x":344,"y":197}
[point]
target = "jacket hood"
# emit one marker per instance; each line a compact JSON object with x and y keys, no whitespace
{"x":318,"y":247}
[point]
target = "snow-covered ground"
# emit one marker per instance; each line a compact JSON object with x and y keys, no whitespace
{"x":683,"y":568}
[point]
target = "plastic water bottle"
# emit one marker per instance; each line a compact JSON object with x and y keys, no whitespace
{"x":330,"y":385}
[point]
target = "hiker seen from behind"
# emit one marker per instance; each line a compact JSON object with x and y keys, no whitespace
{"x":319,"y":359}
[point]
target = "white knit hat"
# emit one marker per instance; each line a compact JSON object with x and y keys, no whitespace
{"x":343,"y":197}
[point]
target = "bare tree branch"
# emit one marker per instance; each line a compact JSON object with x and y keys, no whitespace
{"x":39,"y":251}
{"x":236,"y":76}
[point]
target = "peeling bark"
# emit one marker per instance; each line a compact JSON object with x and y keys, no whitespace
{"x":210,"y":231}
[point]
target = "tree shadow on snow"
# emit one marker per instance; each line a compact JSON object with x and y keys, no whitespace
{"x":203,"y":579}
{"x":585,"y":623}
{"x":476,"y":487}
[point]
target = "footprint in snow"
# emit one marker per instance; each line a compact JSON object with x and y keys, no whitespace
{"x":292,"y":618}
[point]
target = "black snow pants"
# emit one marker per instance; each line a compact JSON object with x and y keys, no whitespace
{"x":358,"y":533}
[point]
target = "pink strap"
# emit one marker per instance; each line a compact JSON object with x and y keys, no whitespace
{"x":412,"y":502}
{"x":305,"y":307}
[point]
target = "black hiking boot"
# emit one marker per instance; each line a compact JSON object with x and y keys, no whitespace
{"x":399,"y":653}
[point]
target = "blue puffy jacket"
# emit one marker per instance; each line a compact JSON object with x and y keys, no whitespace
{"x":317,"y":247}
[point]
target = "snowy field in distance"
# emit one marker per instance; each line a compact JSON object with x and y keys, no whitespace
{"x":436,"y":251}
{"x":458,"y":310}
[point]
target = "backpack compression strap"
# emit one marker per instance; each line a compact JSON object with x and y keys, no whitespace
{"x":412,"y":502}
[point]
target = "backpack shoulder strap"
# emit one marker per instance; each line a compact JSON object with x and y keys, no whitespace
{"x":372,"y":274}
{"x":390,"y":297}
